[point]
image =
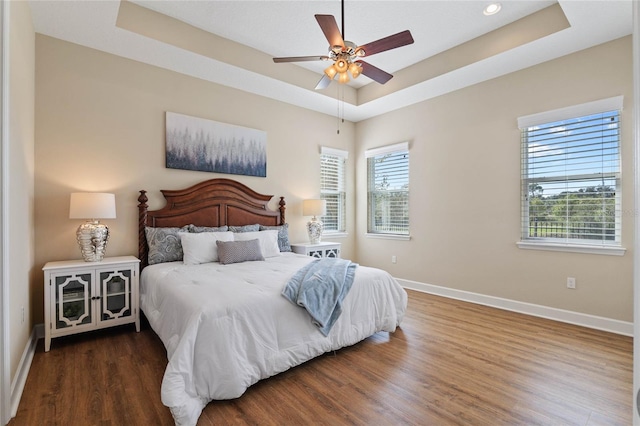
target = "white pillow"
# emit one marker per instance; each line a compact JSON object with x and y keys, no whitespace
{"x":268,"y":241}
{"x":201,"y":247}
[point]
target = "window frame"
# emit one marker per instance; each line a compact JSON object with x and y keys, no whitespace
{"x":370,"y":156}
{"x":591,"y":246}
{"x":341,"y":157}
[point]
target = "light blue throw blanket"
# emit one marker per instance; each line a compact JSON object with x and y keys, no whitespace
{"x":320,"y":287}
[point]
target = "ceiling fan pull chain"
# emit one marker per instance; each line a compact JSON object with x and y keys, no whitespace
{"x":338,"y":110}
{"x":342,"y":103}
{"x":340,"y":99}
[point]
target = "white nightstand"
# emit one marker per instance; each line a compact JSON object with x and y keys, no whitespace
{"x":81,"y":296}
{"x":317,"y":250}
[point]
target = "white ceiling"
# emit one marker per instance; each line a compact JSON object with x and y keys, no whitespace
{"x":288,"y":28}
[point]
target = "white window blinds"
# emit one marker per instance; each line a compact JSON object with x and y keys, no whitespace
{"x":388,"y":189}
{"x":333,"y":188}
{"x":571,"y":174}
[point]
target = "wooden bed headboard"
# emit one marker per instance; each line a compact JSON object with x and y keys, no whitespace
{"x":214,"y":202}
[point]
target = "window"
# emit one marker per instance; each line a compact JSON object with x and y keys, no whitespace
{"x":388,"y":189}
{"x":332,"y":188}
{"x":571,"y":175}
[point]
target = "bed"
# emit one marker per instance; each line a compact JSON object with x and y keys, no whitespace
{"x":224,"y":323}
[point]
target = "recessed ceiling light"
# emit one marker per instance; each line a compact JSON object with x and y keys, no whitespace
{"x":492,"y":9}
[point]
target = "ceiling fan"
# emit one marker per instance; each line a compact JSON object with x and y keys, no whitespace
{"x":346,"y":54}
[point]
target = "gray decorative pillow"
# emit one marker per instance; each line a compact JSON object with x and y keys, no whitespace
{"x":238,"y":251}
{"x":245,"y":228}
{"x":164,"y":244}
{"x":198,"y":229}
{"x":283,"y":235}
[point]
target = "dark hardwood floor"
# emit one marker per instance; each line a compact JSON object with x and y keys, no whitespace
{"x":451,"y":363}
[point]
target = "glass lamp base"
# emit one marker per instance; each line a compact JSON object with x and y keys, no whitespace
{"x":92,"y":238}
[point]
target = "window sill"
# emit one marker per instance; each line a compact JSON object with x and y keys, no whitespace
{"x":389,"y":236}
{"x":334,"y":235}
{"x":573,"y":248}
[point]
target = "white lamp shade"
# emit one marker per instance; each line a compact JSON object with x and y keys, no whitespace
{"x":92,"y":205}
{"x":314,"y":207}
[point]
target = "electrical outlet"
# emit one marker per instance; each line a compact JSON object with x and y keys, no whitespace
{"x":394,"y":259}
{"x":571,"y":282}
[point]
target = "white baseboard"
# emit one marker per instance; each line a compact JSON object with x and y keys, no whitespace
{"x":23,"y":368}
{"x":585,"y":320}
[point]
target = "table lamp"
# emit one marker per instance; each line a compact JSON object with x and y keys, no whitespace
{"x":314,"y":226}
{"x":92,"y":235}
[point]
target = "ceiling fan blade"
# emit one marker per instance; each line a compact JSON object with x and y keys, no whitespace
{"x":301,"y":59}
{"x":323,"y":83}
{"x":330,"y":29}
{"x":374,"y":73}
{"x":391,"y":42}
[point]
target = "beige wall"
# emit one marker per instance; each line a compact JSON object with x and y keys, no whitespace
{"x":465,"y":188}
{"x":100,"y":127}
{"x":21,"y":169}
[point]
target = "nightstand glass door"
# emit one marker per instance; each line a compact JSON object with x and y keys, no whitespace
{"x":115,"y":288}
{"x":316,"y":253}
{"x":73,"y":300}
{"x":332,"y":253}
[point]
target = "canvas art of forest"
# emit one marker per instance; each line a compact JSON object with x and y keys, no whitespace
{"x":209,"y":146}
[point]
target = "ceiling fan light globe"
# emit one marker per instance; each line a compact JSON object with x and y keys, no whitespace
{"x":355,"y":70}
{"x":331,"y":71}
{"x":341,"y":65}
{"x":343,"y":78}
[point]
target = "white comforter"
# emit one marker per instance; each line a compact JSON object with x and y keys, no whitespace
{"x":227,"y":326}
